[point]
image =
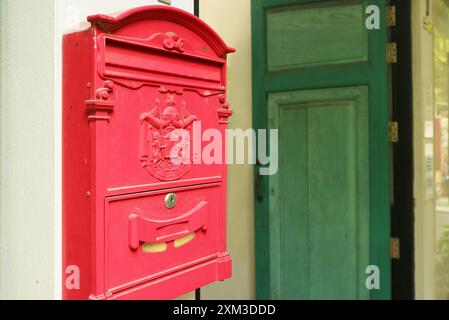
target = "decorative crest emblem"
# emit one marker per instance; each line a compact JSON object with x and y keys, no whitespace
{"x":156,"y":146}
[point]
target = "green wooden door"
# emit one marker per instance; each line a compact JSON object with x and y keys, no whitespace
{"x":320,"y":78}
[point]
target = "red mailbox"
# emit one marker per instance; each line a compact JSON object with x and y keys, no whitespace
{"x":136,"y":223}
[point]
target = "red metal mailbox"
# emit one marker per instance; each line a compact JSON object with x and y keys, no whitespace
{"x":136,"y":223}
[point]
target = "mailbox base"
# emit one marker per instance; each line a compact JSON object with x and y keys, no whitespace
{"x":178,"y":283}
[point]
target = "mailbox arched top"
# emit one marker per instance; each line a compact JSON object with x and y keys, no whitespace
{"x":110,"y":24}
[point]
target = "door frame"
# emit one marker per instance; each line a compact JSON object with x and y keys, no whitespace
{"x":196,"y":7}
{"x":334,"y":76}
{"x":402,"y":207}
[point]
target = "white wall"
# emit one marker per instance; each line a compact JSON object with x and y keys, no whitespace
{"x":72,"y":13}
{"x":27,"y":189}
{"x":30,"y":101}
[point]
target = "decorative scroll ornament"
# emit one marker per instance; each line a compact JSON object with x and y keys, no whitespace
{"x":224,"y":112}
{"x":102,"y":106}
{"x":156,"y":146}
{"x":174,"y":42}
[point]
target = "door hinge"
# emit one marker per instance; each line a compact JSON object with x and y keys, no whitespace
{"x":391,"y":16}
{"x":394,"y":248}
{"x":392,"y":52}
{"x":393,"y":131}
{"x":427,"y":25}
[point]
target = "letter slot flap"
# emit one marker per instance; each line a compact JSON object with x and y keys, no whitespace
{"x":157,"y":231}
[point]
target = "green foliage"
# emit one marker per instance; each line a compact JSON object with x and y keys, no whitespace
{"x":442,"y":266}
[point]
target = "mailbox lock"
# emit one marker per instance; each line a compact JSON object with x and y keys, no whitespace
{"x":170,"y":200}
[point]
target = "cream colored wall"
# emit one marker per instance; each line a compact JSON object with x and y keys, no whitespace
{"x":232,"y":20}
{"x":26,"y":102}
{"x":424,"y":205}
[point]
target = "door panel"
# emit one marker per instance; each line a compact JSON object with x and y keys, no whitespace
{"x":320,"y":78}
{"x":292,"y":207}
{"x":307,"y":35}
{"x":321,"y":192}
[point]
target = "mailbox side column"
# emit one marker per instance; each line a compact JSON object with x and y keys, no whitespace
{"x":225,"y":265}
{"x":77,"y":80}
{"x":100,"y":107}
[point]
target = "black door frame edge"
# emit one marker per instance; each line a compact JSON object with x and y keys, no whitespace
{"x":402,"y":213}
{"x":196,"y":7}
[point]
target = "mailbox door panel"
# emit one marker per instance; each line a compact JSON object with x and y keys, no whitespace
{"x":145,"y":239}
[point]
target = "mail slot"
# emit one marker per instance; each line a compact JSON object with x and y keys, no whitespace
{"x":138,"y":223}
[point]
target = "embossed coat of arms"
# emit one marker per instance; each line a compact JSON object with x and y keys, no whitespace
{"x":156,"y":145}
